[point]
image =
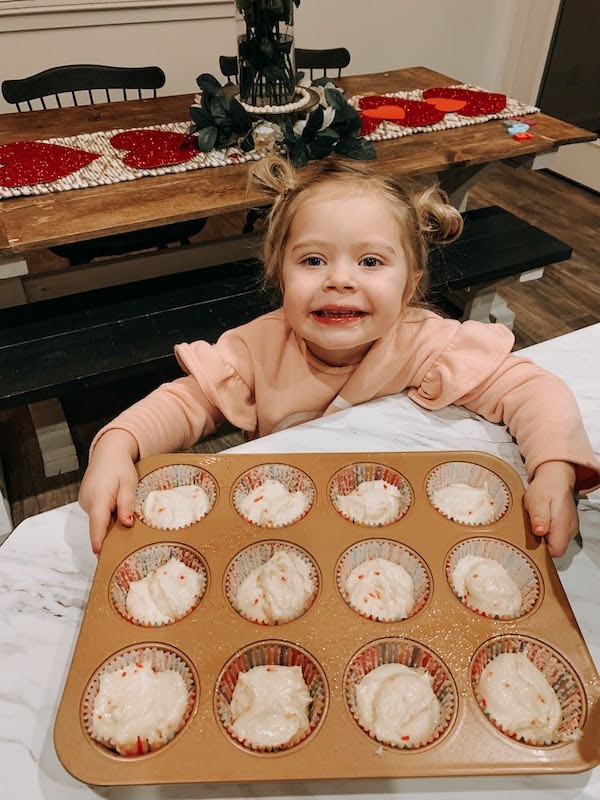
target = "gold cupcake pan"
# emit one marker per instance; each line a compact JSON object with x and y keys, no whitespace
{"x":332,"y":643}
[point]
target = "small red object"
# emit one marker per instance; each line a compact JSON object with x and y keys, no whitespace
{"x":522,"y":136}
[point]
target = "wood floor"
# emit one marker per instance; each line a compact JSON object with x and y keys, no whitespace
{"x":565,"y":299}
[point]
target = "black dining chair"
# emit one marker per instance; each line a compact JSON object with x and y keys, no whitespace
{"x":88,"y":84}
{"x":314,"y":61}
{"x":318,"y":63}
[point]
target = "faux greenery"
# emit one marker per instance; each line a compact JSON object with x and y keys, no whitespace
{"x":334,"y":126}
{"x":266,"y":71}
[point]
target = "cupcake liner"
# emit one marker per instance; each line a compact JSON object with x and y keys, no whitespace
{"x":392,"y":551}
{"x":292,"y":478}
{"x":347,"y":479}
{"x":160,"y":658}
{"x":558,"y":672}
{"x":263,"y":654}
{"x":168,"y":477}
{"x":141,"y":563}
{"x":473,"y":475}
{"x":520,"y":568}
{"x":255,"y":556}
{"x":411,"y":654}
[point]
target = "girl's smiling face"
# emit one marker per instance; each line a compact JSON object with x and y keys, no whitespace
{"x":344,"y":273}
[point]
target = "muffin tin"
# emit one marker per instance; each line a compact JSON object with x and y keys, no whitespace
{"x":333,"y":644}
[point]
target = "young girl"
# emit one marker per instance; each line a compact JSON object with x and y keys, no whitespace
{"x":348,"y":250}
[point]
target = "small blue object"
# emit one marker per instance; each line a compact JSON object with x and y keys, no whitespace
{"x":518,"y":127}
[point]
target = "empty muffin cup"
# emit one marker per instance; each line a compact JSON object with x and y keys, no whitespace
{"x":409,"y":654}
{"x":370,"y":494}
{"x":558,"y":672}
{"x":272,"y":653}
{"x":467,"y":493}
{"x":147,"y":560}
{"x":273,"y":495}
{"x":276,"y":594}
{"x":175,"y":496}
{"x":129,"y":734}
{"x":363,"y":554}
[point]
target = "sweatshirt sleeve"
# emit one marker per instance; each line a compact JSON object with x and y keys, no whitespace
{"x":477,"y":371}
{"x":177,"y":414}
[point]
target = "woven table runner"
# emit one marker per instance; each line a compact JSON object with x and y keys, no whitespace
{"x":108,"y":157}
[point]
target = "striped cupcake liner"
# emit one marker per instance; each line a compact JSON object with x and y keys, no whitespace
{"x":292,"y":478}
{"x":520,"y":568}
{"x":272,"y":652}
{"x":161,"y":658}
{"x":392,"y":551}
{"x":410,"y":654}
{"x":144,"y":561}
{"x":253,"y":557}
{"x":347,"y":479}
{"x":169,"y":477}
{"x":558,"y":672}
{"x":473,"y":475}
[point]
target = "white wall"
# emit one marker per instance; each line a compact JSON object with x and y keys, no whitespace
{"x":498,"y":44}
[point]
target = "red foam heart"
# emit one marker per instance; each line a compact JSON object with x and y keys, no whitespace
{"x":27,"y":163}
{"x":148,"y":148}
{"x":472,"y":103}
{"x":410,"y":113}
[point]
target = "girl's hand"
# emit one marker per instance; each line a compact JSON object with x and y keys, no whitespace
{"x":550,"y":502}
{"x":109,"y":484}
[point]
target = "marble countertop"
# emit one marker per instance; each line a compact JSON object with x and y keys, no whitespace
{"x":46,"y":569}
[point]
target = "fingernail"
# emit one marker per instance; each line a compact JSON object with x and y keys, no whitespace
{"x":539,"y":529}
{"x":129,"y":520}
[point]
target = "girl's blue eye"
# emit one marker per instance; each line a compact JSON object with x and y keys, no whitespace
{"x":370,"y":261}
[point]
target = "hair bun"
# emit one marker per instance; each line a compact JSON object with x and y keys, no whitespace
{"x":273,"y":175}
{"x":440,"y":222}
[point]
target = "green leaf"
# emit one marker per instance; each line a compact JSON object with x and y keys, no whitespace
{"x":328,"y":133}
{"x":355,"y":124}
{"x":247,"y":143}
{"x":344,"y":112}
{"x":315,"y":121}
{"x":201,"y":117}
{"x":241,"y":121}
{"x":299,"y":154}
{"x":267,"y":48}
{"x":219,"y":108}
{"x":360,"y":149}
{"x":321,"y":81}
{"x":335,"y":98}
{"x":206,"y":138}
{"x":208,"y":83}
{"x":274,"y":73}
{"x":288,"y":133}
{"x":321,"y":147}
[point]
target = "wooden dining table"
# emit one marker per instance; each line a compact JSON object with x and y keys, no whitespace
{"x":41,"y":221}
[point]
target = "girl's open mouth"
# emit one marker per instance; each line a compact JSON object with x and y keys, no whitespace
{"x":337,"y":316}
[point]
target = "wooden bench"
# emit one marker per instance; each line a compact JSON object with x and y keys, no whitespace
{"x":77,"y":342}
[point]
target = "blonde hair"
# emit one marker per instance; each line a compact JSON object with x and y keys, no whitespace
{"x":424,"y":214}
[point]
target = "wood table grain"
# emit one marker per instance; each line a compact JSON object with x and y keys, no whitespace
{"x":30,"y":223}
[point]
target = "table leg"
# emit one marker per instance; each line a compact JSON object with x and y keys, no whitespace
{"x":6,"y":524}
{"x":54,"y":437}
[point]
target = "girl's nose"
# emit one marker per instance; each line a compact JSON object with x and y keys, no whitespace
{"x":340,"y":277}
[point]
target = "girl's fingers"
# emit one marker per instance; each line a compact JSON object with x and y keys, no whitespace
{"x":125,"y":500}
{"x":539,"y":514}
{"x":563,"y":527}
{"x":100,"y":516}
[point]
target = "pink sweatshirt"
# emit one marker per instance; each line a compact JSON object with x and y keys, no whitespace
{"x":262,"y":378}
